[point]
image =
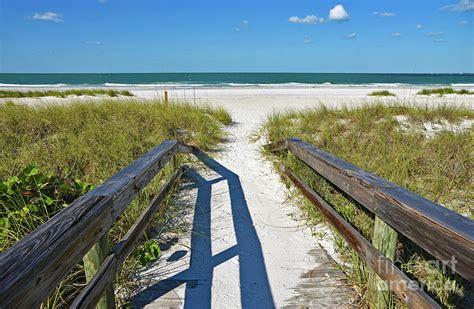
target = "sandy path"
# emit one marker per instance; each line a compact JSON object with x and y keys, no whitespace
{"x":285,"y":243}
{"x":246,"y":251}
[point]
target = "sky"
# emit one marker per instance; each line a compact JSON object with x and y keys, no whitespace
{"x":387,"y":36}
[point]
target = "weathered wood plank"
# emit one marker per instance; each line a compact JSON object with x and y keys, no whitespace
{"x":90,"y":294}
{"x":133,"y":236}
{"x":124,"y":186}
{"x":33,"y":267}
{"x":408,"y":291}
{"x":276,"y":146}
{"x":443,"y":233}
{"x":183,"y":148}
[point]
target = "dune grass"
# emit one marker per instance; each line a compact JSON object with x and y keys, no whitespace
{"x":64,"y":93}
{"x":439,"y":168}
{"x":51,"y":154}
{"x":442,"y":91}
{"x":381,"y":93}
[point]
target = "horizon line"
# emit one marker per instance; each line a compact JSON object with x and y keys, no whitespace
{"x":242,"y":72}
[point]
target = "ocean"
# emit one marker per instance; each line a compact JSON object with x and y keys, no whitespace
{"x":229,"y":79}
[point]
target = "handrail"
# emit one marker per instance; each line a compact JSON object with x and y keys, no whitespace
{"x":441,"y":232}
{"x":92,"y":292}
{"x":35,"y":265}
{"x":375,"y":259}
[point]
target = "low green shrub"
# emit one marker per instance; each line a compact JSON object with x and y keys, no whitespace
{"x":381,"y":93}
{"x":443,"y":91}
{"x":31,"y":198}
{"x":150,"y":251}
{"x":63,"y":93}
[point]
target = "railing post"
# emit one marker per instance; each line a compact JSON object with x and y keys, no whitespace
{"x":385,"y":240}
{"x":92,"y":262}
{"x":166,"y":100}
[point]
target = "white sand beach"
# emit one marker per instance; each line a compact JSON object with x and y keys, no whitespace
{"x":272,"y":97}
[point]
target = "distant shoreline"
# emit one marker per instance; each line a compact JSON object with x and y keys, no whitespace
{"x":232,"y":80}
{"x":191,"y":87}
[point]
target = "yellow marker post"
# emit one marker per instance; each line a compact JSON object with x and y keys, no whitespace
{"x":166,"y":99}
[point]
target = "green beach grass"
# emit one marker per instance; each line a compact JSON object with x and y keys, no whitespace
{"x":51,"y":154}
{"x":443,"y":91}
{"x":381,"y":93}
{"x":374,"y":138}
{"x":64,"y":93}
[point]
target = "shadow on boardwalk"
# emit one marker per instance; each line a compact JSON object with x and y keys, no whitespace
{"x":254,"y":287}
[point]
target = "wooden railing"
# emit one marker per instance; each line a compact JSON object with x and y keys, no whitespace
{"x":444,"y":234}
{"x":34,"y":266}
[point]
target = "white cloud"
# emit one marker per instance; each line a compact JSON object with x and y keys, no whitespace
{"x":307,"y":40}
{"x":338,"y":13}
{"x":397,"y":34}
{"x":310,"y":19}
{"x":48,"y":16}
{"x":463,"y":22}
{"x":93,"y":43}
{"x":244,"y":25}
{"x":384,"y":14}
{"x":439,"y":41}
{"x":351,"y":35}
{"x":462,"y":6}
{"x":435,"y":33}
{"x":419,"y":26}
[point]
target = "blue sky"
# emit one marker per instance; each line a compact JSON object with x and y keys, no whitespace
{"x":237,"y":36}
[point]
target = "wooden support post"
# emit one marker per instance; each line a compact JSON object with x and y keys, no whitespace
{"x":166,"y":99}
{"x":175,"y":160}
{"x":175,"y":163}
{"x":385,"y":240}
{"x":92,"y":262}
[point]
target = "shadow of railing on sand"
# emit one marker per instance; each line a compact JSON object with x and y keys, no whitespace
{"x":254,"y":287}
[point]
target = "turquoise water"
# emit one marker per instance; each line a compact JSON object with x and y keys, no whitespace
{"x":231,"y":79}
